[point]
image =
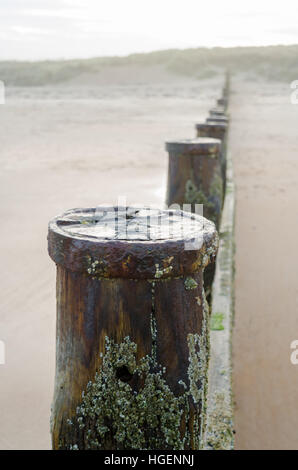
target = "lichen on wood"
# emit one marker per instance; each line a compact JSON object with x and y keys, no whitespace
{"x":116,"y":414}
{"x":220,"y":427}
{"x":190,"y":283}
{"x":199,"y":353}
{"x":195,"y":196}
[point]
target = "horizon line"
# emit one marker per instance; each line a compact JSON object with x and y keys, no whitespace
{"x":154,"y":51}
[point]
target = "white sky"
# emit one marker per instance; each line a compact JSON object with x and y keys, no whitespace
{"x":41,"y":29}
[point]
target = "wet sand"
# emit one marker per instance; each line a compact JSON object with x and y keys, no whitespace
{"x":264,"y":143}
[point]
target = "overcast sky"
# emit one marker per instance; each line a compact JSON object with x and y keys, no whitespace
{"x":42,"y":29}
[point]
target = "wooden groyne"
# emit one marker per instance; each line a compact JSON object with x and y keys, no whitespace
{"x":133,"y":322}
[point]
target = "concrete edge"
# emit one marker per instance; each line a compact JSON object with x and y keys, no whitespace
{"x":219,"y":433}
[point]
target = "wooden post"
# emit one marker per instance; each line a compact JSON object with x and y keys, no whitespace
{"x":219,"y":111}
{"x":216,"y":130}
{"x":132,"y":328}
{"x":194,"y":175}
{"x":226,"y":87}
{"x":222,"y":103}
{"x":218,"y":119}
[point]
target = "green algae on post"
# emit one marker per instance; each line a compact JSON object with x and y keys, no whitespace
{"x":216,"y":321}
{"x":220,"y":426}
{"x":195,"y":196}
{"x":190,"y":283}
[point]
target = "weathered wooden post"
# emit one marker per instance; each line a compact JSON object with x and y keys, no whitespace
{"x":194,"y":175}
{"x":219,"y":111}
{"x":132,"y":327}
{"x":216,"y":130}
{"x":194,"y":178}
{"x":218,"y":118}
{"x":222,"y":103}
{"x":226,"y":87}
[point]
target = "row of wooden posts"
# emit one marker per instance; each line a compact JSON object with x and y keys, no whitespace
{"x":132,"y":317}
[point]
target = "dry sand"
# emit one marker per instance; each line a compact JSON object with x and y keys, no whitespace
{"x":80,"y":145}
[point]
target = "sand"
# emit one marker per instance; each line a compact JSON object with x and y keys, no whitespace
{"x":264,"y":143}
{"x":65,"y":147}
{"x":92,"y":141}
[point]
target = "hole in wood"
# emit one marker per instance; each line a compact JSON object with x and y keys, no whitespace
{"x":123,"y":374}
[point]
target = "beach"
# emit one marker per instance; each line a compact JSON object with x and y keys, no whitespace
{"x":264,"y":142}
{"x":94,"y":140}
{"x":62,"y":147}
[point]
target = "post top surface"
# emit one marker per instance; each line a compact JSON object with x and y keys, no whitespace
{"x":131,"y":242}
{"x":199,"y":145}
{"x":128,"y":223}
{"x":217,"y":119}
{"x":205,"y":125}
{"x":218,"y":111}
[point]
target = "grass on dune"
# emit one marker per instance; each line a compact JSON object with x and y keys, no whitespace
{"x":271,"y":62}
